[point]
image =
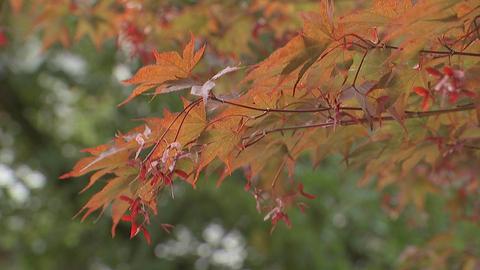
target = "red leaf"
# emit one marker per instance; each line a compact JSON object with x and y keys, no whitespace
{"x":126,"y":198}
{"x":468,"y":93}
{"x":127,"y":218}
{"x":155,"y":180}
{"x":453,"y":97}
{"x":3,"y":39}
{"x":181,"y":173}
{"x":167,"y":180}
{"x":307,"y":195}
{"x":434,"y":72}
{"x":143,"y":173}
{"x":146,"y":234}
{"x":448,"y":71}
{"x":421,"y":91}
{"x":281,"y":216}
{"x":425,"y":104}
{"x":134,"y":207}
{"x":133,"y":230}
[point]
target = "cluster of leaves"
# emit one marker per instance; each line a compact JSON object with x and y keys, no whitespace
{"x":369,"y":85}
{"x":138,"y":26}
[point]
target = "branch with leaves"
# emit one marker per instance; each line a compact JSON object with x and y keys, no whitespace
{"x":393,"y":88}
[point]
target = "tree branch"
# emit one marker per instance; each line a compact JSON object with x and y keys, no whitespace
{"x":212,"y":97}
{"x":409,"y":115}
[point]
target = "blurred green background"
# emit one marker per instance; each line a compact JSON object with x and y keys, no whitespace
{"x":56,"y":102}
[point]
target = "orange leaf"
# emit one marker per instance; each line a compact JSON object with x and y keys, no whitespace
{"x":16,"y":5}
{"x":421,"y":91}
{"x":104,"y":197}
{"x":169,"y":67}
{"x":220,"y":142}
{"x":119,"y":207}
{"x":392,"y":8}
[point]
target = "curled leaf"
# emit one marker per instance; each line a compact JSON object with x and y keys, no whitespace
{"x":204,"y":90}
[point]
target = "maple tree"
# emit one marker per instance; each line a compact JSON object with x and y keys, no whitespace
{"x":393,"y":88}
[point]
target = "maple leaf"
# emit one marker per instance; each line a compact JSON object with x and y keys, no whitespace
{"x":119,"y":207}
{"x":276,"y":61}
{"x":218,"y":142}
{"x":3,"y":38}
{"x":56,"y":32}
{"x":168,"y":68}
{"x":193,"y":124}
{"x":320,"y":25}
{"x":95,"y":21}
{"x":110,"y":158}
{"x":391,"y":8}
{"x":103,"y":198}
{"x":306,"y":58}
{"x":16,"y":5}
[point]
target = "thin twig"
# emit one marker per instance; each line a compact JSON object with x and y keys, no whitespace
{"x":168,"y":129}
{"x":409,"y":115}
{"x":280,"y":110}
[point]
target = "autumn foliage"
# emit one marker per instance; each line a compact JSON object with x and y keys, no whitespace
{"x":392,"y":87}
